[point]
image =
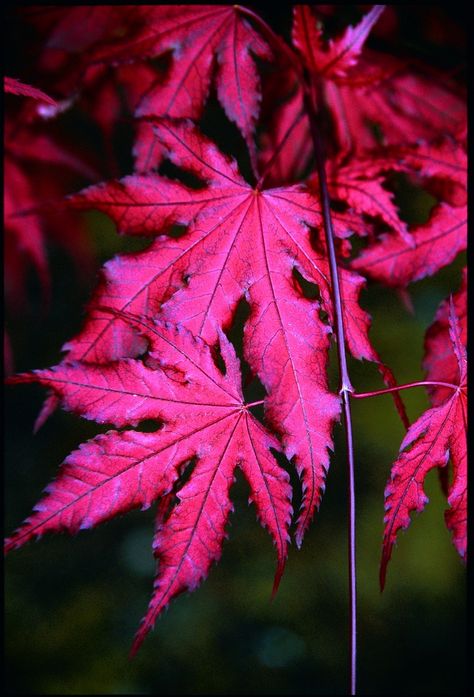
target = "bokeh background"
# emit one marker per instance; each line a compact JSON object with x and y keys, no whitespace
{"x":74,"y":603}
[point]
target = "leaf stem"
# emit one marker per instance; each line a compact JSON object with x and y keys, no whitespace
{"x":407,"y":386}
{"x":346,"y":388}
{"x":254,"y":404}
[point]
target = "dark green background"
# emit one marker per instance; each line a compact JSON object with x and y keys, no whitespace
{"x":73,"y":604}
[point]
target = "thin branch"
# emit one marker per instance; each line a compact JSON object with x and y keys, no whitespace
{"x":254,"y":404}
{"x":407,"y":386}
{"x":346,"y":388}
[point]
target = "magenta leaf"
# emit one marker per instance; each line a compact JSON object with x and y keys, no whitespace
{"x":439,"y":434}
{"x":202,"y":417}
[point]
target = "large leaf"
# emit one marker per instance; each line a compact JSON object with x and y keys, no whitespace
{"x":203,"y":39}
{"x":204,"y":425}
{"x":374,"y":99}
{"x":241,"y":243}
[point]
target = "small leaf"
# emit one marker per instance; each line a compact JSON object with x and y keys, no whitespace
{"x":439,"y":434}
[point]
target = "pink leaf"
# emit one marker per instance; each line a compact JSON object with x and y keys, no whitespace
{"x":439,"y":434}
{"x":341,"y":53}
{"x":202,"y":417}
{"x":240,"y":243}
{"x":396,"y":263}
{"x":16,"y":87}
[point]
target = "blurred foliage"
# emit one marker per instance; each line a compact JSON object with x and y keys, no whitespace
{"x":73,"y":604}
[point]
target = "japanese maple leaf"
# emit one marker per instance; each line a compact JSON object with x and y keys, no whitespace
{"x":340,"y":54}
{"x":375,"y":99}
{"x":204,"y":425}
{"x":440,"y":363}
{"x":198,"y":34}
{"x":81,"y":28}
{"x":439,"y":434}
{"x":396,"y":261}
{"x":358,"y":183}
{"x":384,"y":102}
{"x":23,"y":235}
{"x":30,"y":152}
{"x":440,"y":167}
{"x":423,"y":249}
{"x":240,"y":242}
{"x":203,"y":42}
{"x":67,"y":38}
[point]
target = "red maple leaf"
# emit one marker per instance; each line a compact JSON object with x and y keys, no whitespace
{"x":404,"y":102}
{"x":240,"y":243}
{"x":201,"y":43}
{"x":439,"y":167}
{"x":439,"y":434}
{"x":24,"y":236}
{"x":440,"y":362}
{"x":157,"y":322}
{"x":204,"y":425}
{"x":68,"y":38}
{"x":341,"y":54}
{"x":424,"y":249}
{"x":374,"y":100}
{"x":30,"y":153}
{"x":396,"y":261}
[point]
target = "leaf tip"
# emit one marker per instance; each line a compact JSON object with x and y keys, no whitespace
{"x":278,"y":575}
{"x":8,"y":546}
{"x":386,"y":554}
{"x":138,"y":639}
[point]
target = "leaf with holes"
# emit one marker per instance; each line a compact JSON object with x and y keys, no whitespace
{"x":241,"y":242}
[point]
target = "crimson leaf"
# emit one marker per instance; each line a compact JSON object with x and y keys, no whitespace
{"x":241,"y":242}
{"x":438,"y":434}
{"x":203,"y":417}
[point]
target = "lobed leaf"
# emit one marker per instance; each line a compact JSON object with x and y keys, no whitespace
{"x":202,"y":417}
{"x":439,"y":434}
{"x":396,"y":263}
{"x":240,"y":242}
